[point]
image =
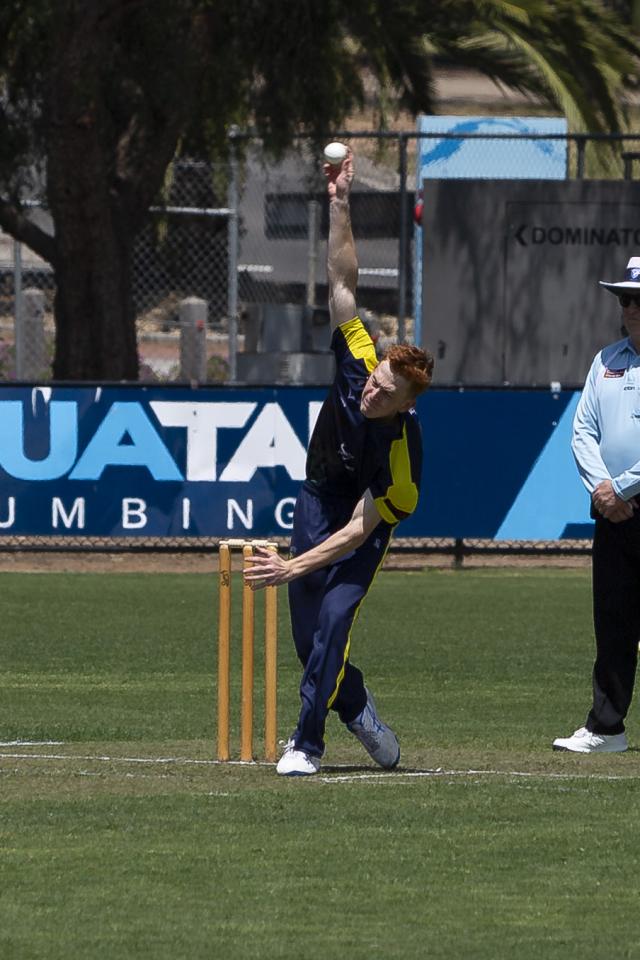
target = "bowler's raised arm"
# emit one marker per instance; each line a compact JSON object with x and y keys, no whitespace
{"x":342,"y":264}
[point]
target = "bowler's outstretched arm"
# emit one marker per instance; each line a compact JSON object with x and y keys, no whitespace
{"x":267,"y":568}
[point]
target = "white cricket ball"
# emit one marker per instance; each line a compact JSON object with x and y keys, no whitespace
{"x":334,"y":153}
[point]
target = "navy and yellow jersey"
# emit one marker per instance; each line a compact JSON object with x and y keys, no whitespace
{"x":349,"y":453}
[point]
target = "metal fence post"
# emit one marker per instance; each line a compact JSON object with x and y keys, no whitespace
{"x":628,"y":159}
{"x":232,"y":204}
{"x":403,"y":244}
{"x":193,"y":339}
{"x":18,"y":308}
{"x":313,"y":208}
{"x":31,"y":360}
{"x":580,"y":145}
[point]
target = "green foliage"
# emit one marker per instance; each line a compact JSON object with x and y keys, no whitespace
{"x":97,"y":98}
{"x":217,"y":369}
{"x":288,"y":66}
{"x":8,"y":361}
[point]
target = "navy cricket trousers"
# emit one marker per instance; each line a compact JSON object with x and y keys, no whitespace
{"x":323,"y":606}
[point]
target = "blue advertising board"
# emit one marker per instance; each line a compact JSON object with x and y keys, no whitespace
{"x":167,"y":462}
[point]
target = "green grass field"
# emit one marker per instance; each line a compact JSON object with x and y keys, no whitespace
{"x":124,"y":841}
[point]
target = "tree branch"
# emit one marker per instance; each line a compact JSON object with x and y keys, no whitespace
{"x":148,"y":143}
{"x":14,"y":221}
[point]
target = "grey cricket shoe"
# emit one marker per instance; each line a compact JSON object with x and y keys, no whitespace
{"x":585,"y":741}
{"x":376,"y":737}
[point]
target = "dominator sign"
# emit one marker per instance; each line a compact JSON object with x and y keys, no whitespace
{"x":111,"y":461}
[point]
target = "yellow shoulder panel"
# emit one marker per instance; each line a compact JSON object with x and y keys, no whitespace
{"x":359,"y":343}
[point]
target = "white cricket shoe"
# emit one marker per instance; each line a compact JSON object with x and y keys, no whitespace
{"x":376,"y":737}
{"x":296,"y":763}
{"x":584,"y":741}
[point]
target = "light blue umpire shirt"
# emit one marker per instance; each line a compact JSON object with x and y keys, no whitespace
{"x":606,"y":426}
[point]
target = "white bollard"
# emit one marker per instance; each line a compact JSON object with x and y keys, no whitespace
{"x":31,"y":348}
{"x":193,"y":339}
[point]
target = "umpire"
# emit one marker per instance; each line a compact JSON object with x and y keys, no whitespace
{"x":606,"y":446}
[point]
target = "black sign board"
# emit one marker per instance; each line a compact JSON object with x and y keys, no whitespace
{"x":510,"y":276}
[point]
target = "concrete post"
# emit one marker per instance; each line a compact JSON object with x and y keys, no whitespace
{"x":193,"y":339}
{"x":31,"y":352}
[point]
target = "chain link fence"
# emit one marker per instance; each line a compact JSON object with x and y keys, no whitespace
{"x":244,"y":244}
{"x":404,"y":553}
{"x":247,"y":240}
{"x":282,"y":282}
{"x":27,"y":290}
{"x":183,"y":253}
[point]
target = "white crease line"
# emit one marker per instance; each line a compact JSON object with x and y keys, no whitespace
{"x":440,"y":773}
{"x":437,"y":772}
{"x":31,"y":743}
{"x":102,"y":759}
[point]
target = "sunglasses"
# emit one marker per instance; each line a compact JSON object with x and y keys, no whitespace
{"x":626,"y":299}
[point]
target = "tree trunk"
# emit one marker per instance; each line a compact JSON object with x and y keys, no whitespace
{"x":108,"y":147}
{"x":95,"y":325}
{"x":95,"y":330}
{"x":95,"y":322}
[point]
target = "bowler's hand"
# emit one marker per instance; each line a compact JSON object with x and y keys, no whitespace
{"x":266,"y":568}
{"x":339,"y":179}
{"x":610,"y":505}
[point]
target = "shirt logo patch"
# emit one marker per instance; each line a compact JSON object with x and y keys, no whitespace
{"x":348,"y":459}
{"x":613,"y":373}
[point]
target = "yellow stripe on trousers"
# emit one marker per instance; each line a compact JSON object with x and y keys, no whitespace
{"x":353,"y":622}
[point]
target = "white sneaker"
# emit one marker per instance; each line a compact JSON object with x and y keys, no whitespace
{"x":296,"y":763}
{"x":584,"y":741}
{"x":376,"y":737}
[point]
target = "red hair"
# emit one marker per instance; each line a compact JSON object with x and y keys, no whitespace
{"x":412,"y":363}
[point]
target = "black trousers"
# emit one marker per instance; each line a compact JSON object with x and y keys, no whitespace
{"x":616,"y":617}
